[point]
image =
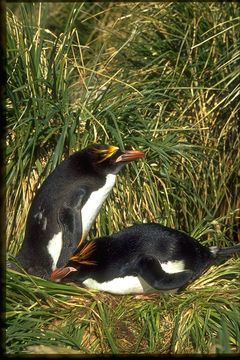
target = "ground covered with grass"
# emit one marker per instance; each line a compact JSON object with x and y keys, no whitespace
{"x":45,"y":317}
{"x":160,"y":77}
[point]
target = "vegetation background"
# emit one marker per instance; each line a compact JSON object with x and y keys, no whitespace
{"x":162,"y":77}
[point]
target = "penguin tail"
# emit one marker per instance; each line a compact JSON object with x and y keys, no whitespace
{"x":221,"y":253}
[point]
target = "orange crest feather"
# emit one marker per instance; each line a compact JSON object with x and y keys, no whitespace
{"x":82,"y":256}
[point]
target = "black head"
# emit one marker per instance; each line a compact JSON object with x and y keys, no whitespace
{"x":108,"y":159}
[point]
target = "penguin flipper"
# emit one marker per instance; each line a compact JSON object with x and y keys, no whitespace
{"x":151,"y":271}
{"x":70,"y":220}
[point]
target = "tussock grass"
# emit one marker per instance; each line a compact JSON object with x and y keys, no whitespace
{"x":163,"y":78}
{"x":200,"y":320}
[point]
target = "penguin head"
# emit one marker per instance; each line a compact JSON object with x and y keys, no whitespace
{"x":72,"y":269}
{"x":109,"y":159}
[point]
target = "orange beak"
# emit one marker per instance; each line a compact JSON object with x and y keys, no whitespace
{"x":62,"y":272}
{"x":130,"y":155}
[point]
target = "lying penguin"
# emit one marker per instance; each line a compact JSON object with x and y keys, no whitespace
{"x":66,"y":205}
{"x":140,"y":259}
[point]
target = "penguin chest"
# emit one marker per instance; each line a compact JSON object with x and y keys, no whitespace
{"x":88,"y":214}
{"x":94,"y":202}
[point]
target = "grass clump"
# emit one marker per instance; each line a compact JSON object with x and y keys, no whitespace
{"x":161,"y":78}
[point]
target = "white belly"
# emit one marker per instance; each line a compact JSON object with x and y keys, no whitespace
{"x":92,"y":207}
{"x":133,"y":284}
{"x":121,"y":286}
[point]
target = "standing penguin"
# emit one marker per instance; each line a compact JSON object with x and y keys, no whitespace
{"x":66,"y":205}
{"x":141,"y":259}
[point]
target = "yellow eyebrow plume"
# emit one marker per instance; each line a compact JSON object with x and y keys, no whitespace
{"x":110,"y":151}
{"x":82,"y":256}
